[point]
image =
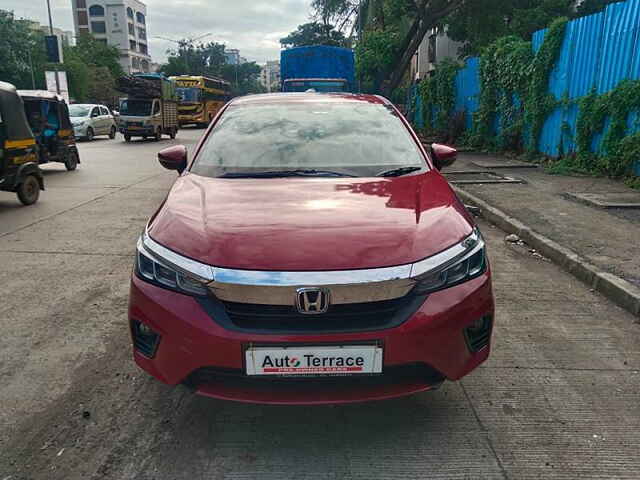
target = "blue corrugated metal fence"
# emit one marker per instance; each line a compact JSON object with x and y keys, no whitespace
{"x":599,"y":51}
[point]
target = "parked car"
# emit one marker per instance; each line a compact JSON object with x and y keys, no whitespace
{"x":90,"y":120}
{"x":310,"y":253}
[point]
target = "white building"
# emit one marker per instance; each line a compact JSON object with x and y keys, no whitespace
{"x":435,"y":47}
{"x":270,"y":76}
{"x":121,"y":23}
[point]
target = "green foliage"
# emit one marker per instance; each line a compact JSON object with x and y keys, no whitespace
{"x":509,"y":70}
{"x":514,"y":86}
{"x":481,"y":22}
{"x":101,"y":86}
{"x":190,"y":59}
{"x":505,"y":67}
{"x":209,"y":60}
{"x":77,"y":74}
{"x":376,"y":52}
{"x":243,"y":78}
{"x":98,"y":54}
{"x":538,"y":102}
{"x":617,"y":149}
{"x":91,"y":65}
{"x":21,"y":48}
{"x":386,"y":33}
{"x":314,"y":33}
{"x":439,"y":96}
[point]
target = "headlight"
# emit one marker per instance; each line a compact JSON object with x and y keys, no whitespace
{"x":78,"y":123}
{"x":455,"y":265}
{"x":165,"y":271}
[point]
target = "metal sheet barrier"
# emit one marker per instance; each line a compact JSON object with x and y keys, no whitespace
{"x":599,"y":51}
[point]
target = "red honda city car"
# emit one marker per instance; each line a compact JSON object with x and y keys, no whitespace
{"x":310,"y":253}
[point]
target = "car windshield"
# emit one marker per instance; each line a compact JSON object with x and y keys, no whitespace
{"x":351,"y":138}
{"x":79,"y":110}
{"x":188,"y":94}
{"x":140,"y":108}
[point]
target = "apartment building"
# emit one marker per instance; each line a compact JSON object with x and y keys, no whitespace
{"x":121,"y":23}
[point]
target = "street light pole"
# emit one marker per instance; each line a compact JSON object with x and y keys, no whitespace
{"x":55,"y":67}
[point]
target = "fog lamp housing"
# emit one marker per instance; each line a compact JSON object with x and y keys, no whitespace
{"x":145,"y":339}
{"x":478,"y":334}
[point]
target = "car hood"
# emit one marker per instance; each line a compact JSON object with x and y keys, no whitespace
{"x":310,"y":223}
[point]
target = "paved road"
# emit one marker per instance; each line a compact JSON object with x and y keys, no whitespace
{"x":557,"y":399}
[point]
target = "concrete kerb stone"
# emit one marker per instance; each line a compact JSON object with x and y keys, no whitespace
{"x":617,"y":289}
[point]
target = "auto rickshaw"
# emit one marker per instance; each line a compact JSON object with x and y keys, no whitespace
{"x":19,"y":170}
{"x":48,"y":116}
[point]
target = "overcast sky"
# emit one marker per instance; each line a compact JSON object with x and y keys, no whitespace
{"x":253,"y":26}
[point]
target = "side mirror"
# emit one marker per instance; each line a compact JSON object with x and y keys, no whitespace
{"x":173,"y":158}
{"x":443,"y":156}
{"x":95,"y":114}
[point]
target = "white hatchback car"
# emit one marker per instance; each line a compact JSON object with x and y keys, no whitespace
{"x":89,"y":120}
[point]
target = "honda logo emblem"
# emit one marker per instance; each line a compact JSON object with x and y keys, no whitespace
{"x":311,"y":301}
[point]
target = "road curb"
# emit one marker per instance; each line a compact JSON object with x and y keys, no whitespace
{"x":617,"y":289}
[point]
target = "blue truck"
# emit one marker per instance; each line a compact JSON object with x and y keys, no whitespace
{"x":318,"y":67}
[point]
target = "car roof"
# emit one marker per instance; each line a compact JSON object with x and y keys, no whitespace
{"x":311,"y":97}
{"x":44,"y":94}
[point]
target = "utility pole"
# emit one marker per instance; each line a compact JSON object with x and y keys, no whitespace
{"x":55,"y":67}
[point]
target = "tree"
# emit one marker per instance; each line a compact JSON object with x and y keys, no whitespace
{"x":392,"y":33}
{"x":243,"y":78}
{"x":101,"y":86}
{"x":481,"y":22}
{"x":209,"y":60}
{"x":97,"y":53}
{"x":21,"y":50}
{"x":190,"y":59}
{"x":341,"y":13}
{"x":77,"y":74}
{"x":314,"y":33}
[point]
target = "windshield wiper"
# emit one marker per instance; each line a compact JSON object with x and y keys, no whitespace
{"x":396,"y":172}
{"x":285,"y":173}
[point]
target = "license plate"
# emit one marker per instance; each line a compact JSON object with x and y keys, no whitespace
{"x":133,"y":127}
{"x":315,"y":360}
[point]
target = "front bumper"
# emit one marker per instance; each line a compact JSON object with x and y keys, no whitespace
{"x":189,"y":119}
{"x":80,"y":131}
{"x":137,"y":131}
{"x":192,"y":344}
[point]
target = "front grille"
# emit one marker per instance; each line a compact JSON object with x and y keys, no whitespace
{"x":396,"y":374}
{"x":257,"y":318}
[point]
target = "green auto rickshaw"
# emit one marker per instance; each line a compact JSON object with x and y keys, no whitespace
{"x":48,"y":117}
{"x":19,"y":155}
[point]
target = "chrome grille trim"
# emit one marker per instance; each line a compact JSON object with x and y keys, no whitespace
{"x":391,"y":279}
